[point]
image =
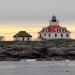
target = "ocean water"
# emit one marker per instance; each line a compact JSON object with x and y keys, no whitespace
{"x":37,"y":67}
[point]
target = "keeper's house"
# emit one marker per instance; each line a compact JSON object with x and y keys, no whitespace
{"x":22,"y":36}
{"x":54,"y":31}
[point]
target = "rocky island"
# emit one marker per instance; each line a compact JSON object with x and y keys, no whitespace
{"x":60,"y":49}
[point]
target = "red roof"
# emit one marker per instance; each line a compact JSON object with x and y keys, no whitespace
{"x":53,"y":28}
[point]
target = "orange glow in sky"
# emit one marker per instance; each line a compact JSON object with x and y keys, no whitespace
{"x":9,"y":30}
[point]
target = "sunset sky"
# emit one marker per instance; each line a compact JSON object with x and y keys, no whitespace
{"x":32,"y":15}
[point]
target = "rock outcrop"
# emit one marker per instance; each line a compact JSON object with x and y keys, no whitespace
{"x":49,"y":50}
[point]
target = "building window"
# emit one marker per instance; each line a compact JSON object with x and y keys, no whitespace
{"x":63,"y":30}
{"x":46,"y":30}
{"x":40,"y":35}
{"x":67,"y":35}
{"x":28,"y":38}
{"x":61,"y":35}
{"x":44,"y":34}
{"x":55,"y":35}
{"x":59,"y":30}
{"x":49,"y":35}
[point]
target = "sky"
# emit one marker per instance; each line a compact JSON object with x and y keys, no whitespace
{"x":32,"y":15}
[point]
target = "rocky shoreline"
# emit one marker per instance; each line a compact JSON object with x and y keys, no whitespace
{"x":41,"y":50}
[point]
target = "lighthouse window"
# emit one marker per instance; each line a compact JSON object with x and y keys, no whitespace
{"x":46,"y":30}
{"x":55,"y":35}
{"x":63,"y":30}
{"x":59,"y":30}
{"x":67,"y":35}
{"x":49,"y":35}
{"x":61,"y":35}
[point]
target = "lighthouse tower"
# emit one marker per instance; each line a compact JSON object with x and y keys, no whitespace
{"x":54,"y":31}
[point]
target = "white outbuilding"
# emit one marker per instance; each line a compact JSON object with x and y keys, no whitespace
{"x":22,"y":36}
{"x":54,"y":31}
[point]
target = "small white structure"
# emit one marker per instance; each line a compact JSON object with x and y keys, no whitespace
{"x":54,"y":31}
{"x":2,"y":38}
{"x":22,"y":36}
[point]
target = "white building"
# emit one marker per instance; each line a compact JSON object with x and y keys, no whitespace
{"x":54,"y":31}
{"x":22,"y":36}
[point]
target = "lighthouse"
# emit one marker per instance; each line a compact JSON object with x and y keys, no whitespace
{"x":54,"y":31}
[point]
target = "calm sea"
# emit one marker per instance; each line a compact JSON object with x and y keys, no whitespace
{"x":37,"y":68}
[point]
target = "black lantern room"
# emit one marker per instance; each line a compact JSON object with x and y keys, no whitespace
{"x":54,"y":18}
